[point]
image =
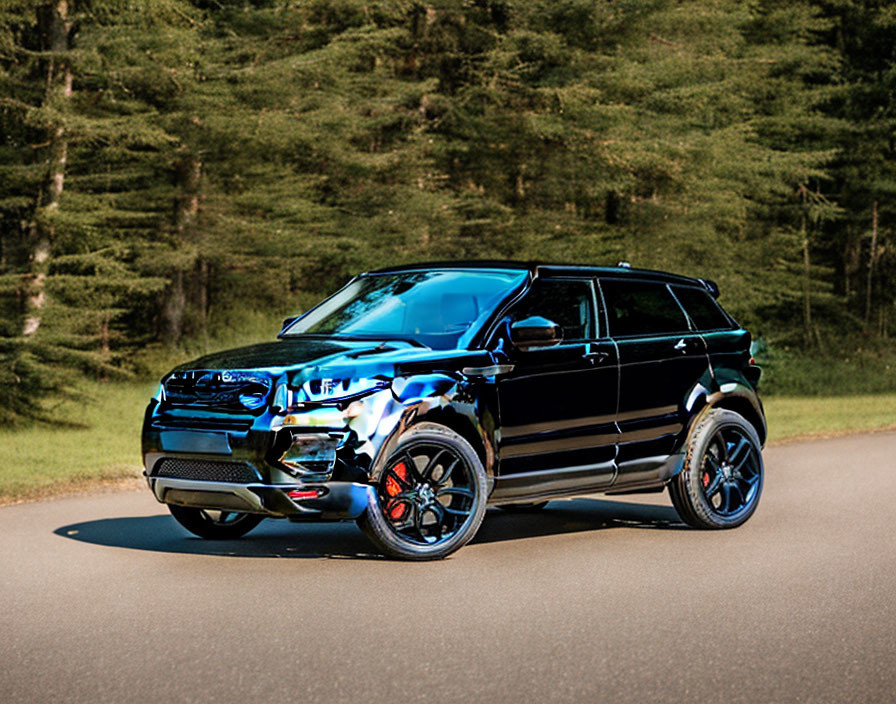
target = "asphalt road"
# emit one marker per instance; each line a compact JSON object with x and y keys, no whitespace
{"x":105,"y":599}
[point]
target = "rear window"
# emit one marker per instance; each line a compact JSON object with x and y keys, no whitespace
{"x":703,"y":310}
{"x":642,"y":308}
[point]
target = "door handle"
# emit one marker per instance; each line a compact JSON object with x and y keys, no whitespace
{"x":596,"y":356}
{"x":681,"y":345}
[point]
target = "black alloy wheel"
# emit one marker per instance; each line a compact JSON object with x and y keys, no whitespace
{"x":721,"y":481}
{"x":430,"y":496}
{"x":730,"y":473}
{"x":215,"y":525}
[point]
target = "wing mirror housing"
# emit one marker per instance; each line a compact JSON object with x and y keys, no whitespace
{"x":535,"y":331}
{"x":287,"y":322}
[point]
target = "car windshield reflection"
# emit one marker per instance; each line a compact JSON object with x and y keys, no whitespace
{"x":438,"y":309}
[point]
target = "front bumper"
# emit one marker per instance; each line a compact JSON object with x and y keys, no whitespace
{"x":190,"y":461}
{"x":335,"y":500}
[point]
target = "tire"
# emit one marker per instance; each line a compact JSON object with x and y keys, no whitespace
{"x":523,"y":508}
{"x":430,"y":496}
{"x":721,"y":481}
{"x":214,"y":525}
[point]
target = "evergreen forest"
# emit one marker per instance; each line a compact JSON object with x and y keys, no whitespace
{"x":173,"y":168}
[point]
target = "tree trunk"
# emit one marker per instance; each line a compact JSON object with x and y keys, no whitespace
{"x":852,"y":259}
{"x":56,"y":30}
{"x":186,"y":209}
{"x":872,"y":255}
{"x":807,"y":299}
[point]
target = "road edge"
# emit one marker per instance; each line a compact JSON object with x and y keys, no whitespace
{"x":137,"y":483}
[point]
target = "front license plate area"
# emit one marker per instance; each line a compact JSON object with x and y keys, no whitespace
{"x":195,"y":441}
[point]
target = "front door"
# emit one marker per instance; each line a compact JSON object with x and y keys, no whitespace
{"x":558,"y":404}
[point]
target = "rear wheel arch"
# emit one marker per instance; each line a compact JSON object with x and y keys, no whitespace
{"x":744,"y":407}
{"x":741,"y":400}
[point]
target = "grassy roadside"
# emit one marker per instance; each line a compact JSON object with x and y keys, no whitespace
{"x":46,"y":460}
{"x":790,"y":418}
{"x":43,"y":461}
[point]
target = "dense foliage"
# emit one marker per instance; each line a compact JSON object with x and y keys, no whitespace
{"x":162,"y":161}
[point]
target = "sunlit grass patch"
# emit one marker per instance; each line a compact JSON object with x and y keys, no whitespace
{"x":790,"y":417}
{"x":48,"y":459}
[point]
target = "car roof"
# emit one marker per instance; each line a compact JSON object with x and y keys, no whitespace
{"x":551,"y":269}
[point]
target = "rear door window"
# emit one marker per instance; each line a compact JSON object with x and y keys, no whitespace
{"x":641,"y":308}
{"x":702,"y":309}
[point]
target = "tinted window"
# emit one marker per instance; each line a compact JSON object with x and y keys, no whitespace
{"x":570,"y":304}
{"x":702,"y":309}
{"x":641,"y":308}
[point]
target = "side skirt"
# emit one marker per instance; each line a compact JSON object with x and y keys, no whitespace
{"x":535,"y":486}
{"x":647,"y":475}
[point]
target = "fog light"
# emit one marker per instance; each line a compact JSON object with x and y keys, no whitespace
{"x":310,"y":454}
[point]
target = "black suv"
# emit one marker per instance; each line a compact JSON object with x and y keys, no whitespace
{"x":416,"y":396}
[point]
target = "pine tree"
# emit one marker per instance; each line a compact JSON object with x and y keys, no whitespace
{"x":81,"y":204}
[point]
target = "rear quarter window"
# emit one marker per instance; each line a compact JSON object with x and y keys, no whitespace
{"x":641,"y":308}
{"x":702,"y":309}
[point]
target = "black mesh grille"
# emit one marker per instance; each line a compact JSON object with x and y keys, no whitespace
{"x":207,"y":471}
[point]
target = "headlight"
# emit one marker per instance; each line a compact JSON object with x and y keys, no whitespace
{"x":327,"y":389}
{"x":281,"y":399}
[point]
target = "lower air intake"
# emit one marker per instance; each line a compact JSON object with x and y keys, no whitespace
{"x":206,"y":471}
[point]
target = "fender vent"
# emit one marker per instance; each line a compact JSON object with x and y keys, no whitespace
{"x":207,"y":471}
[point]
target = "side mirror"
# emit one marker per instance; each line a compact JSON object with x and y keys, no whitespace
{"x":535,"y":331}
{"x":288,"y":321}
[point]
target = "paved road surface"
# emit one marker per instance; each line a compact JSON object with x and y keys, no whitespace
{"x":105,"y":599}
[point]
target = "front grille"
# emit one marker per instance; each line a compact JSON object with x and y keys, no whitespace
{"x":230,"y":390}
{"x":207,"y":471}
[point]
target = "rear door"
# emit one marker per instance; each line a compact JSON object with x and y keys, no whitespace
{"x":558,"y":405}
{"x":726,"y":344}
{"x":661,"y":360}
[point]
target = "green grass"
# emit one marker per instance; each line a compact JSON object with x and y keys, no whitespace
{"x":796,"y":373}
{"x":790,"y":417}
{"x":43,"y":460}
{"x":46,"y":460}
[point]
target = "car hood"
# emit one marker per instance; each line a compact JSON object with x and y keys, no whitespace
{"x":304,"y":358}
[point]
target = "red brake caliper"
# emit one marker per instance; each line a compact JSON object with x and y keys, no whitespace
{"x":396,"y":509}
{"x":705,"y":479}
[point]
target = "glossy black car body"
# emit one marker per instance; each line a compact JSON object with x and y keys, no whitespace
{"x":500,"y":383}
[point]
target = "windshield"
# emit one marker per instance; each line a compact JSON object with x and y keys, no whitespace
{"x":439,"y":309}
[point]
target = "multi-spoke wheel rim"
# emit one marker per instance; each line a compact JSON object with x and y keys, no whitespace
{"x":222,"y":518}
{"x":427,"y":493}
{"x":731,"y":472}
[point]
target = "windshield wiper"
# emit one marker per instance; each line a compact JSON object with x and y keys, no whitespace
{"x":384,"y":341}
